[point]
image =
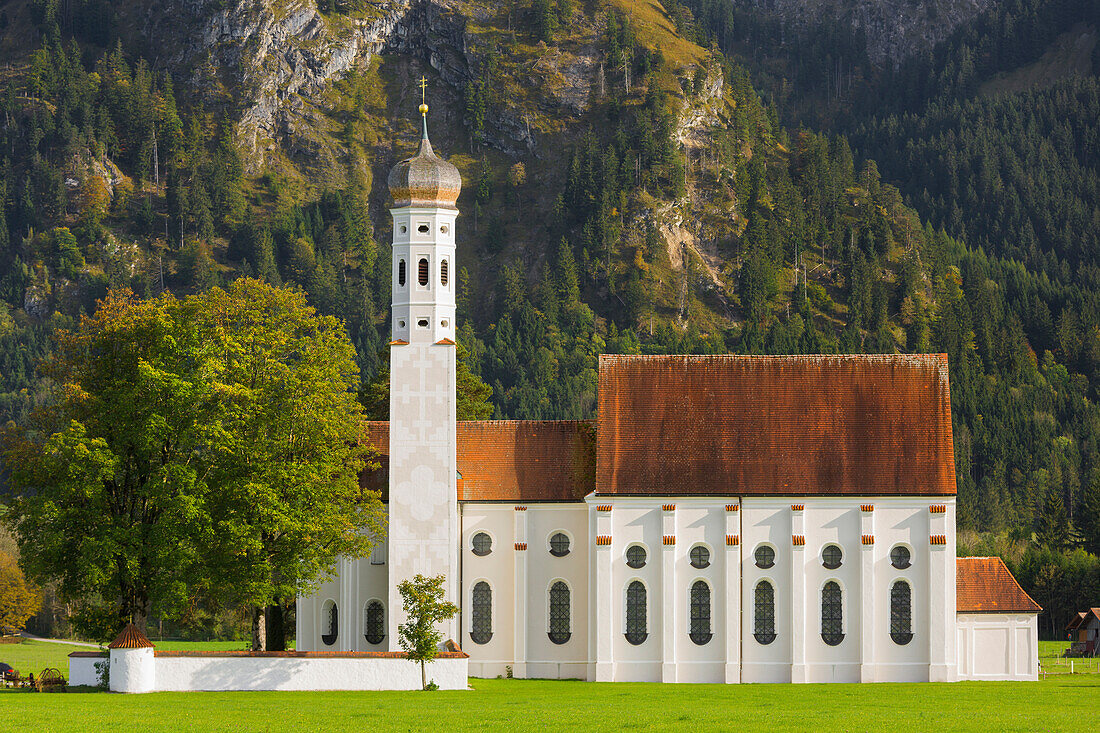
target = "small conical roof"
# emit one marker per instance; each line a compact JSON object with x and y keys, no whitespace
{"x":131,"y":638}
{"x":425,"y":179}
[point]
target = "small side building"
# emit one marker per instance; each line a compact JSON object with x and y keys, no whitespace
{"x":997,"y":622}
{"x":1084,"y":632}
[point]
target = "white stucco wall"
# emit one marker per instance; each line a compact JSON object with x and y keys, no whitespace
{"x":132,"y":670}
{"x":82,"y":669}
{"x":224,"y":673}
{"x":998,"y":646}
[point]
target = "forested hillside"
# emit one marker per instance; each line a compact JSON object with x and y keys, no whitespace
{"x":626,"y":190}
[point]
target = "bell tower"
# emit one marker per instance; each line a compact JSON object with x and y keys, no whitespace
{"x":423,"y":503}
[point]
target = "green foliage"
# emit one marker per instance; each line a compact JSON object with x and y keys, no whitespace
{"x":198,"y":449}
{"x":422,"y":599}
{"x":18,"y":599}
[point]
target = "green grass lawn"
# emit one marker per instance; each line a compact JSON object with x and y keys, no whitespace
{"x":34,"y":656}
{"x":1059,"y":703}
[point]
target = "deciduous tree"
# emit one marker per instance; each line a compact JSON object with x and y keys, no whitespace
{"x":422,"y":599}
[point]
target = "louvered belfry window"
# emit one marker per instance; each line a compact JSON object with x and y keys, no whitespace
{"x":901,"y":613}
{"x":700,"y":613}
{"x":764,"y":613}
{"x":443,"y":272}
{"x":481,"y":621}
{"x":422,"y":274}
{"x":559,"y":613}
{"x":401,"y":273}
{"x":636,"y":612}
{"x":375,"y":626}
{"x":832,"y":622}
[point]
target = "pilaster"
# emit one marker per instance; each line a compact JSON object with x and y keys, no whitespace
{"x":733,"y":593}
{"x":605,"y":608}
{"x":869,"y":623}
{"x":941,"y":616}
{"x":519,"y":664}
{"x":670,"y":603}
{"x":798,"y":594}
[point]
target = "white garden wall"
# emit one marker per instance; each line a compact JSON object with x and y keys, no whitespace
{"x":82,"y":667}
{"x":998,"y":646}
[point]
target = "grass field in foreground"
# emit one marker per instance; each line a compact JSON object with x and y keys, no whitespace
{"x":1059,"y":703}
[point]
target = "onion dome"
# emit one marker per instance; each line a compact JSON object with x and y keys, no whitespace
{"x":425,"y":179}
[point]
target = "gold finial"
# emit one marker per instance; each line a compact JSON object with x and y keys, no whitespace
{"x":423,"y":95}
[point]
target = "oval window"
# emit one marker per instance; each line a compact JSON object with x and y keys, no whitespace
{"x":635,"y":556}
{"x":559,"y":544}
{"x":765,"y":557}
{"x":831,"y":557}
{"x":482,"y":544}
{"x":900,"y":557}
{"x":423,"y":229}
{"x":700,"y":557}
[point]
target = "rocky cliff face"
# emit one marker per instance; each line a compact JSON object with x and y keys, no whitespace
{"x":894,"y":29}
{"x":269,"y":62}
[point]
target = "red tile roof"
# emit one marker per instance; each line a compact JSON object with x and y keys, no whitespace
{"x":860,"y":425}
{"x":984,"y":585}
{"x":510,"y":460}
{"x":131,"y":638}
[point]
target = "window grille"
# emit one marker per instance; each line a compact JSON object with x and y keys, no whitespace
{"x":764,"y":613}
{"x":481,"y":617}
{"x":700,"y":613}
{"x":832,"y":612}
{"x":831,"y":557}
{"x":765,"y":557}
{"x":635,"y":556}
{"x":700,"y":557}
{"x":482,"y":544}
{"x":901,"y":613}
{"x":401,"y":273}
{"x":443,"y":272}
{"x":422,"y":275}
{"x":635,"y":613}
{"x":375,"y":623}
{"x":900,"y":558}
{"x":329,"y":638}
{"x":559,"y":544}
{"x":559,"y":613}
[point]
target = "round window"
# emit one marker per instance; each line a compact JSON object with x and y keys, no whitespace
{"x":700,"y":557}
{"x":635,"y":556}
{"x":900,"y":558}
{"x":482,"y":544}
{"x":831,"y":557}
{"x":559,"y":544}
{"x":765,"y":557}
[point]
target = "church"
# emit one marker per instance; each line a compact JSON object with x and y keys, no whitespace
{"x":723,"y":519}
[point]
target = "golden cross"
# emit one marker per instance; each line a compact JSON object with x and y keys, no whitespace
{"x":423,"y":89}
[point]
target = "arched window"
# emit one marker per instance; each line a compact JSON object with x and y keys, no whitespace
{"x":559,"y":544}
{"x":635,"y":556}
{"x":482,"y":544}
{"x":765,"y":557}
{"x":899,"y":557}
{"x":831,"y":557}
{"x":401,"y":273}
{"x":422,"y":274}
{"x":700,"y":557}
{"x":635,"y":613}
{"x":764,"y":613}
{"x":832,"y":614}
{"x":330,"y":623}
{"x":901,"y":613}
{"x":559,"y":613}
{"x":700,"y":612}
{"x":374,"y":624}
{"x":443,"y":272}
{"x":481,"y":617}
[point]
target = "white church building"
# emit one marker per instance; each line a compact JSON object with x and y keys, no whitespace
{"x":723,"y":519}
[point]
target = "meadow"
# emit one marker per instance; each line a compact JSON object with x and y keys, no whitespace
{"x":1058,"y":702}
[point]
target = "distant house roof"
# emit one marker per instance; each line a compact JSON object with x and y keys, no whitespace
{"x":1082,"y":618}
{"x":1076,"y":621}
{"x":509,"y":460}
{"x":857,"y":425}
{"x":985,"y":585}
{"x":130,"y":638}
